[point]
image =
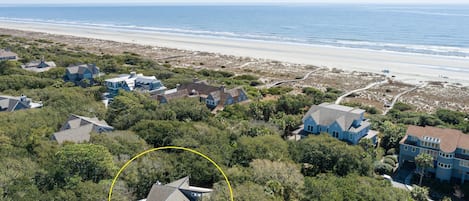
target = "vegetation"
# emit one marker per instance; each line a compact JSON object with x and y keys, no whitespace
{"x":246,"y":140}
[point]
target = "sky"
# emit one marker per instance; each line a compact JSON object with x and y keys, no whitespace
{"x":229,"y":1}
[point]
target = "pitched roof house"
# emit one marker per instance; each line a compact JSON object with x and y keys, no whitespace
{"x":77,"y":129}
{"x":448,"y":147}
{"x":342,"y":122}
{"x":134,"y":82}
{"x":179,"y":190}
{"x":39,"y":66}
{"x":211,"y":95}
{"x":10,"y":103}
{"x":81,"y":72}
{"x":6,"y":55}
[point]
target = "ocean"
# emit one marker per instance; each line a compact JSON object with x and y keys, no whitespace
{"x":420,"y":29}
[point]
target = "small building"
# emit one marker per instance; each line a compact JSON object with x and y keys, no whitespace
{"x":341,"y":122}
{"x":210,"y":95}
{"x":6,"y":55}
{"x":79,"y":73}
{"x":448,"y":147}
{"x":39,"y":66}
{"x":77,"y":129}
{"x":179,"y":190}
{"x":134,"y":82}
{"x":10,"y":103}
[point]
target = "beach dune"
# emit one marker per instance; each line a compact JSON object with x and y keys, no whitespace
{"x":404,"y":66}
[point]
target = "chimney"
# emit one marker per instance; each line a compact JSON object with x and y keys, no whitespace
{"x":177,"y":87}
{"x":133,"y":74}
{"x":222,"y":88}
{"x":195,"y":80}
{"x":42,"y":59}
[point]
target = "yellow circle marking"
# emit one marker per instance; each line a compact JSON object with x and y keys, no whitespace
{"x":170,"y":147}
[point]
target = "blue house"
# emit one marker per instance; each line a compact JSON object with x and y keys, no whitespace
{"x":134,"y":82}
{"x":341,"y":122}
{"x":448,"y":147}
{"x":79,"y":73}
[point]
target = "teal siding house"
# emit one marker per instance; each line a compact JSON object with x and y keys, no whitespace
{"x":448,"y":147}
{"x":77,"y":74}
{"x":341,"y":122}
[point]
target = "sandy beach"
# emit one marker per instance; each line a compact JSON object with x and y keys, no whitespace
{"x":406,"y":67}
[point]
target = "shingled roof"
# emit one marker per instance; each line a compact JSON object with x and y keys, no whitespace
{"x":173,"y":191}
{"x":327,"y":113}
{"x":449,"y":139}
{"x":78,"y":128}
{"x":10,"y":103}
{"x":80,"y":69}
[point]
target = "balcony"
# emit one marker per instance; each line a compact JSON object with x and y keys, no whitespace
{"x":410,"y":142}
{"x":461,"y":156}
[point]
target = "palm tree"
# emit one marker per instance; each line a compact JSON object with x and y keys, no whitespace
{"x":423,"y":161}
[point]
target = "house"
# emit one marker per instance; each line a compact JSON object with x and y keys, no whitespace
{"x":39,"y":66}
{"x":341,"y":122}
{"x":6,"y":55}
{"x":134,"y":82}
{"x":10,"y":103}
{"x":448,"y":147}
{"x":77,"y":129}
{"x":179,"y":190}
{"x":79,"y":73}
{"x":212,"y":96}
{"x":224,"y":97}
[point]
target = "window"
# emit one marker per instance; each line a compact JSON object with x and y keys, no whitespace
{"x":464,"y":151}
{"x":445,"y":155}
{"x":413,"y":149}
{"x":319,"y":128}
{"x":335,"y":134}
{"x":464,"y":163}
{"x":405,"y":147}
{"x":444,"y":165}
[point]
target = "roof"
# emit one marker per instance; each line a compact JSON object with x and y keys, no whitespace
{"x":172,"y":191}
{"x":175,"y":95}
{"x":4,"y":53}
{"x":133,"y":78}
{"x":449,"y":139}
{"x":10,"y":103}
{"x":328,"y":113}
{"x":80,"y":69}
{"x":78,"y":128}
{"x":77,"y":135}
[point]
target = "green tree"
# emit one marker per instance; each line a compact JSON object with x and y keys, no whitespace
{"x":90,"y":162}
{"x":419,"y":193}
{"x":423,"y":161}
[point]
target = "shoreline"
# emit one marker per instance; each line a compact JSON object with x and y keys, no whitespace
{"x":407,"y":67}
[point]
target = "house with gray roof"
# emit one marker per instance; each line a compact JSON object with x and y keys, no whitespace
{"x":179,"y":190}
{"x":78,"y":73}
{"x":341,"y":122}
{"x":77,"y":129}
{"x":10,"y":103}
{"x":39,"y":66}
{"x":6,"y":55}
{"x":212,"y":96}
{"x":134,"y":82}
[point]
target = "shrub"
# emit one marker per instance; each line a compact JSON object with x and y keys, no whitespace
{"x":391,"y":151}
{"x":383,"y":168}
{"x":392,"y":157}
{"x":390,"y":162}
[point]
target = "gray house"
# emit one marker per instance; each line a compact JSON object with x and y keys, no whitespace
{"x":79,"y":73}
{"x":341,"y":122}
{"x":179,"y":190}
{"x":77,"y":129}
{"x":10,"y":103}
{"x":224,"y":97}
{"x":39,"y":66}
{"x":6,"y":55}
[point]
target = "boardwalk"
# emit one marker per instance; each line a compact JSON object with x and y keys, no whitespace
{"x":394,"y":100}
{"x":358,"y":90}
{"x":296,"y":80}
